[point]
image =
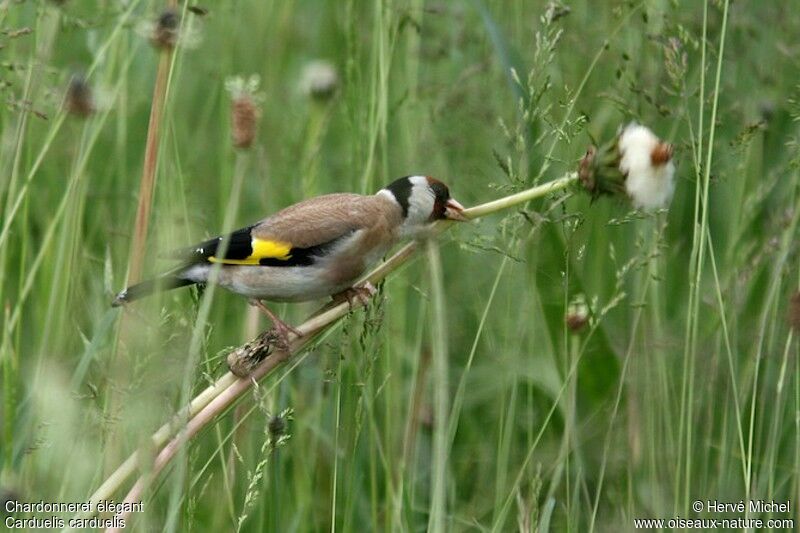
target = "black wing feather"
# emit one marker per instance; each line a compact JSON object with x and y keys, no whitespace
{"x":240,"y":247}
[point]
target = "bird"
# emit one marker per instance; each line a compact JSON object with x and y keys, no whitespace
{"x":313,"y":249}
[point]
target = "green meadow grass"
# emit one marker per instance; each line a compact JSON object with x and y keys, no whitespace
{"x":458,"y":400}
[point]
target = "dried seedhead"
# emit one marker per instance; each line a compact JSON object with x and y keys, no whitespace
{"x":165,"y":30}
{"x":577,"y":314}
{"x":598,"y":170}
{"x":586,"y":169}
{"x":245,"y":359}
{"x":276,"y":426}
{"x":244,"y":116}
{"x":79,"y":99}
{"x":245,"y":109}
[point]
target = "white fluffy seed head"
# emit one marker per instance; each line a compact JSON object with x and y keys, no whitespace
{"x":647,"y":165}
{"x":319,"y":80}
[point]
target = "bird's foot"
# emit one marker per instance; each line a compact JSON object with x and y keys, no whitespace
{"x":362,"y":293}
{"x":282,"y":331}
{"x":281,"y":328}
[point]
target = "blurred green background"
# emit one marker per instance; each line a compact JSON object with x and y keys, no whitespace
{"x":683,"y":386}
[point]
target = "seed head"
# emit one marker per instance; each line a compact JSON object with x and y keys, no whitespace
{"x":165,"y":29}
{"x":599,"y":172}
{"x":319,"y":80}
{"x":79,"y":100}
{"x":635,"y":163}
{"x":577,"y":314}
{"x":276,"y":426}
{"x":244,"y":115}
{"x":245,"y":109}
{"x":647,"y":164}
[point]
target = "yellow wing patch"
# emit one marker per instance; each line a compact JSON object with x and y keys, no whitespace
{"x":274,"y":249}
{"x":262,"y":249}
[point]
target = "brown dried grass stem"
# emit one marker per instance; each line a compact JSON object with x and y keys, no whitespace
{"x":148,"y":182}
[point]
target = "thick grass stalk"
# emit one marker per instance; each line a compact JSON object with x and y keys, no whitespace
{"x":218,"y":397}
{"x":441,"y":392}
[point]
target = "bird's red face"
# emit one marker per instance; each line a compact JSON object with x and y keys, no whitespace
{"x":444,"y":207}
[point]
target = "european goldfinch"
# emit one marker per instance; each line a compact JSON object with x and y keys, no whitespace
{"x":310,"y":250}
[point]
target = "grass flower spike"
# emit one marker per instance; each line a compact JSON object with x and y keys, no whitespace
{"x":635,"y":163}
{"x":646,"y":162}
{"x":245,"y":109}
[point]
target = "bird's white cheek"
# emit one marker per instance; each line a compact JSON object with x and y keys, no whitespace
{"x":420,"y":206}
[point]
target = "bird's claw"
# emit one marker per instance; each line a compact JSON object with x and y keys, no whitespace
{"x":362,"y":293}
{"x":281,"y":328}
{"x":281,"y":340}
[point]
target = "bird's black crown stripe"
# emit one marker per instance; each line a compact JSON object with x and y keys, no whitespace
{"x":401,"y":189}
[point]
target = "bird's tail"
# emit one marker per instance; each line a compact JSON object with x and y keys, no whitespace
{"x":164,"y":282}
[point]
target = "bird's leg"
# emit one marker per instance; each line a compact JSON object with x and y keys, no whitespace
{"x":362,"y":292}
{"x":281,"y":328}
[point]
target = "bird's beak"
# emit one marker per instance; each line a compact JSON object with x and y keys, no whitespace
{"x":454,"y":211}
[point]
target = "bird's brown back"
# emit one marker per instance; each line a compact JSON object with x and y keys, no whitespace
{"x":325,"y":218}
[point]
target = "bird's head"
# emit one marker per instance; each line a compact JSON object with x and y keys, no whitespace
{"x":423,"y":200}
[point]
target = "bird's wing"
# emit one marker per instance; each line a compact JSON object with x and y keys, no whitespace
{"x":295,"y":235}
